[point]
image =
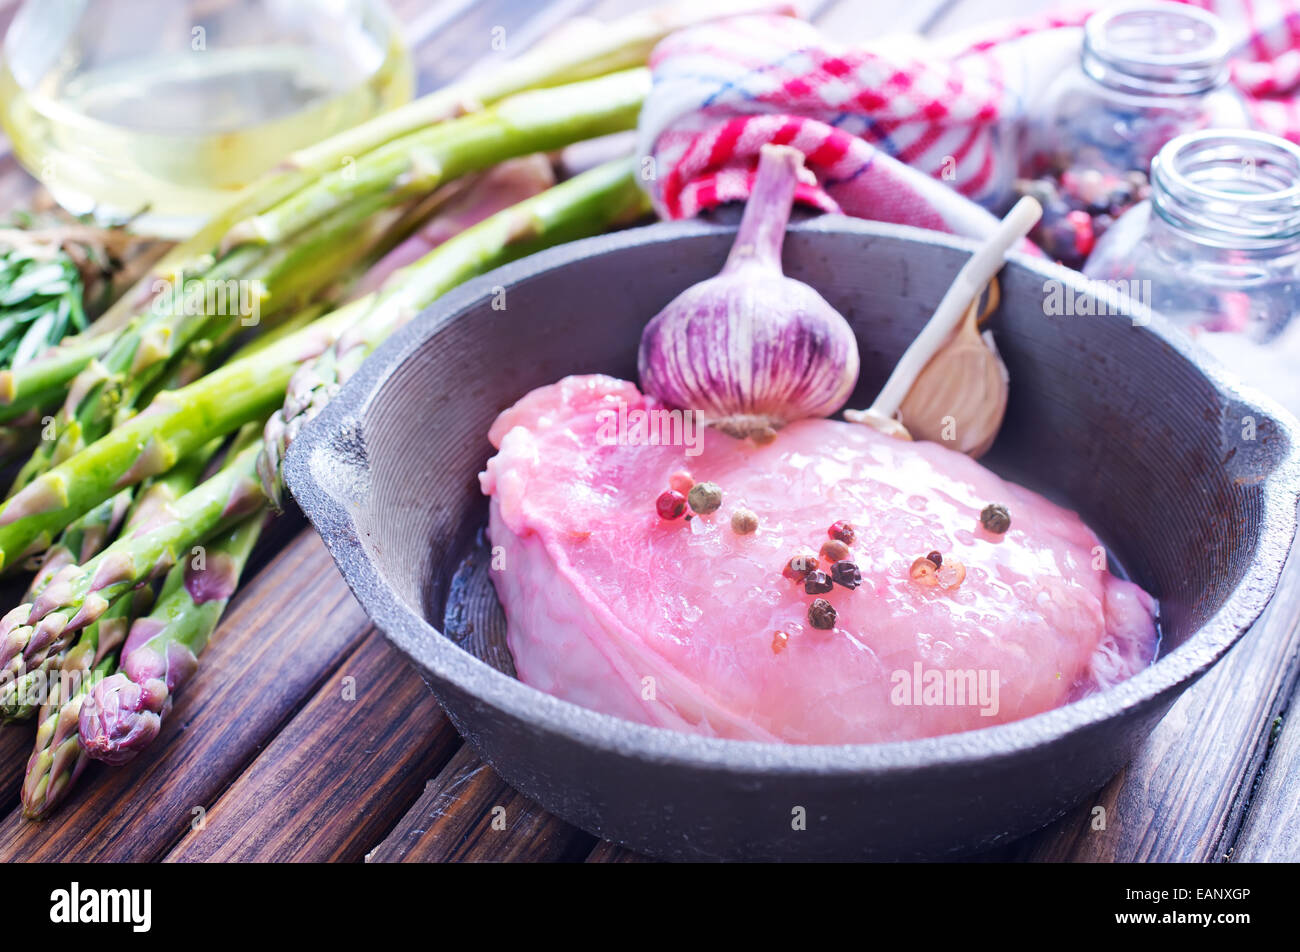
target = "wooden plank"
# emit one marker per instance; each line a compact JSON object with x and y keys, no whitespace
{"x":607,"y":852}
{"x":339,"y":775}
{"x":1183,"y":796}
{"x":468,"y":813}
{"x":283,"y":634}
{"x":480,"y":33}
{"x":1270,"y":832}
{"x":15,"y":747}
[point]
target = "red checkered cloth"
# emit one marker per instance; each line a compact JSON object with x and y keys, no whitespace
{"x":895,"y":132}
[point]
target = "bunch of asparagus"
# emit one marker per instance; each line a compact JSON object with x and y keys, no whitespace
{"x":155,"y":429}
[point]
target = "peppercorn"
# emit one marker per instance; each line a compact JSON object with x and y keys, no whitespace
{"x":995,"y":518}
{"x":681,"y":481}
{"x":670,"y":504}
{"x":705,"y":497}
{"x":842,"y":531}
{"x":779,"y":641}
{"x":936,"y":557}
{"x":821,"y":614}
{"x":922,"y":572}
{"x":833,"y":550}
{"x":743,"y":522}
{"x":951,"y":575}
{"x":847,"y":574}
{"x":817,"y":583}
{"x":797,"y":568}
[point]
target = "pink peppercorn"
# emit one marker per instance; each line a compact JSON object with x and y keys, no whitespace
{"x":670,"y":504}
{"x":1084,"y":238}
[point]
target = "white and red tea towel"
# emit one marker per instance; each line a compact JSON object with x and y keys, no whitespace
{"x":897,"y":129}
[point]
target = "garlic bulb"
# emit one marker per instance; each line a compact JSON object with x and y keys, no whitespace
{"x":751,"y":350}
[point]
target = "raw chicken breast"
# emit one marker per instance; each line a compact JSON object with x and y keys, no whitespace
{"x":673,"y":623}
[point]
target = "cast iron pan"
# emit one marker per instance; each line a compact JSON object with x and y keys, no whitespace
{"x":1121,"y":422}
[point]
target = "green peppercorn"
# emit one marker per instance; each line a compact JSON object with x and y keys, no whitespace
{"x":995,"y":518}
{"x":705,"y":497}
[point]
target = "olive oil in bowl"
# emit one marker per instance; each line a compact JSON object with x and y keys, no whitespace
{"x":166,"y":123}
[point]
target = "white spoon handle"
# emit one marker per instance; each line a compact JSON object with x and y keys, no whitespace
{"x":970,"y":281}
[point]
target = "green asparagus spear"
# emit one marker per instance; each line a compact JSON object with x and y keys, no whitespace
{"x":79,"y":594}
{"x":529,"y":123}
{"x":175,"y":424}
{"x":611,"y":187}
{"x":124,"y":712}
{"x":81,"y":540}
{"x":536,"y":121}
{"x":178,"y":423}
{"x":620,"y":45}
{"x":58,"y":758}
{"x":153,"y":507}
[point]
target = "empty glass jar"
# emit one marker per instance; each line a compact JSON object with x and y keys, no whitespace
{"x":1217,"y":245}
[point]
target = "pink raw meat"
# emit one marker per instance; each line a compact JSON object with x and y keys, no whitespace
{"x":672,"y":623}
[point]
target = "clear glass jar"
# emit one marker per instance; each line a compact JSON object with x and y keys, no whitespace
{"x":1217,"y":246}
{"x":168,"y":106}
{"x":1146,"y":74}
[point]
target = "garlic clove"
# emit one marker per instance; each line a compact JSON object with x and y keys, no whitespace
{"x":957,"y":308}
{"x":960,"y":397}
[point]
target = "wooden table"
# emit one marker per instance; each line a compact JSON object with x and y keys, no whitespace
{"x":306,"y":737}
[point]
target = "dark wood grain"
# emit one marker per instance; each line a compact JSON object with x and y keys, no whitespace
{"x":339,"y":775}
{"x":286,"y":631}
{"x":469,"y":813}
{"x":607,"y":852}
{"x":1183,"y":797}
{"x":1270,"y":829}
{"x":15,"y":747}
{"x":474,"y":36}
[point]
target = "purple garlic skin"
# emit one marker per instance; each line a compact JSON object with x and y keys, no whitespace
{"x":751,"y":350}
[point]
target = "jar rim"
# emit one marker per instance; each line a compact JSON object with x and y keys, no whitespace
{"x":1200,"y":68}
{"x":1259,"y":216}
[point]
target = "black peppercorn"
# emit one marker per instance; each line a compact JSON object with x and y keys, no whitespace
{"x":847,"y":574}
{"x":995,"y":518}
{"x":821,"y":614}
{"x":817,"y":583}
